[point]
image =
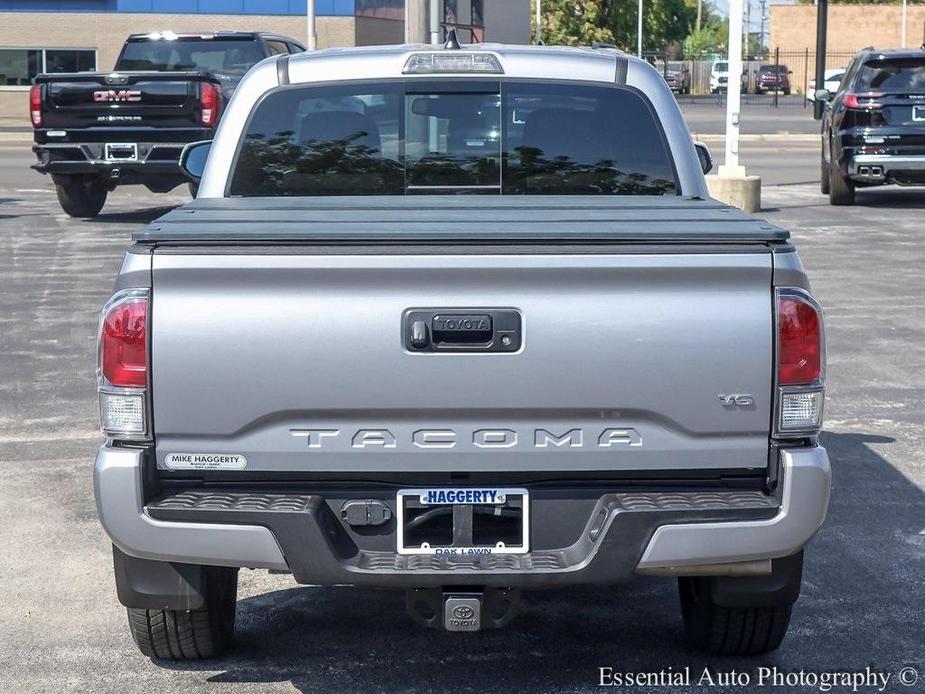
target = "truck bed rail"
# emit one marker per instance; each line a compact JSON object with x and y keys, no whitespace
{"x":455,"y":219}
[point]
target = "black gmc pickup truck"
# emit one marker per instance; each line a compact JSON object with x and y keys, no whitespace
{"x":95,"y":131}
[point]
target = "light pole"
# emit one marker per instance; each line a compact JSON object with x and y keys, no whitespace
{"x":310,"y":20}
{"x":639,"y":30}
{"x":538,"y":33}
{"x":732,"y":185}
{"x":733,"y":91}
{"x":434,"y":22}
{"x":904,"y":24}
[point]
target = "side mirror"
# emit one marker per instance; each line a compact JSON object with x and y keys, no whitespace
{"x":703,"y":154}
{"x":193,"y":158}
{"x":821,"y":95}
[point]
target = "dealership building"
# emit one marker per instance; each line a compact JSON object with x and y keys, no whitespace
{"x":76,"y":35}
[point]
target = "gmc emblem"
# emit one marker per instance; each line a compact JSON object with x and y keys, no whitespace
{"x":117,"y":95}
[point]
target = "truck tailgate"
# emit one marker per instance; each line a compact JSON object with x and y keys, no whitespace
{"x":293,"y":357}
{"x":135,"y":99}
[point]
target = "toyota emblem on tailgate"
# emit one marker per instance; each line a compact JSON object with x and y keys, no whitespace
{"x":463,"y":612}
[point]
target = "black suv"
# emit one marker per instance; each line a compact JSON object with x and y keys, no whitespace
{"x":873,"y":128}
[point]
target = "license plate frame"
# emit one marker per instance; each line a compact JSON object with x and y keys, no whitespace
{"x":514,"y":497}
{"x":918,"y":113}
{"x":130,"y":147}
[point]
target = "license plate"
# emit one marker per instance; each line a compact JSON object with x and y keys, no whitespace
{"x":463,"y":521}
{"x":918,"y":113}
{"x":118,"y":151}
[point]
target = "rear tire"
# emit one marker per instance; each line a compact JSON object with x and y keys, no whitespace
{"x":81,"y":196}
{"x":841,"y":188}
{"x":824,"y":178}
{"x":730,"y":630}
{"x":205,"y":632}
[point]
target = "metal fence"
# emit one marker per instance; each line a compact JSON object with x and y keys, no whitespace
{"x":800,"y":64}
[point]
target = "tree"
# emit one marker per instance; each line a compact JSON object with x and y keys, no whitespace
{"x":710,"y":39}
{"x":574,"y":23}
{"x":581,"y":22}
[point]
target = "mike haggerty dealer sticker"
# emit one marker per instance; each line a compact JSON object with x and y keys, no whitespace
{"x":205,"y":461}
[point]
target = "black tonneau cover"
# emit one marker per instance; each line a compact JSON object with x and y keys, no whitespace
{"x":458,"y":218}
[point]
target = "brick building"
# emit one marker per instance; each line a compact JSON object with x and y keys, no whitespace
{"x":850,"y":28}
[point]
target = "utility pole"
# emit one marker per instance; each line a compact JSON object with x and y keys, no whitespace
{"x":904,"y":24}
{"x":746,"y":25}
{"x":639,"y":30}
{"x":310,"y":20}
{"x":538,"y":30}
{"x":822,"y":19}
{"x":699,"y":15}
{"x":764,"y":5}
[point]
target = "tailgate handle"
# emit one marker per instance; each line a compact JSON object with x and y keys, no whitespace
{"x":461,"y":329}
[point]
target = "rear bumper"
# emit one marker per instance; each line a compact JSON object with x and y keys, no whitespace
{"x":619,"y":533}
{"x":881,"y":168}
{"x":154,"y":159}
{"x":117,"y":482}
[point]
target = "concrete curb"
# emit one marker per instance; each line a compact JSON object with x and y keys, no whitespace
{"x":782,"y":138}
{"x":15,"y":139}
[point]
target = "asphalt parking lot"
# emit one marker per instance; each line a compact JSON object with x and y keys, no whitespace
{"x":61,"y":627}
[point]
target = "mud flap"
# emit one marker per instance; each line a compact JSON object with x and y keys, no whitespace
{"x":157,"y":585}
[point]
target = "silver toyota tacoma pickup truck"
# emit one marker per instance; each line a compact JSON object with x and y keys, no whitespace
{"x":461,"y":322}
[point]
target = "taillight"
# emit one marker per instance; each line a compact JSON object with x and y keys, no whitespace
{"x":35,"y":105}
{"x":209,"y":101}
{"x":863,"y":102}
{"x":800,"y":363}
{"x":799,"y":340}
{"x":123,"y":364}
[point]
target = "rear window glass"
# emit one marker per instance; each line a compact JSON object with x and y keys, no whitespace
{"x":223,"y":56}
{"x":906,"y":74}
{"x":406,"y":138}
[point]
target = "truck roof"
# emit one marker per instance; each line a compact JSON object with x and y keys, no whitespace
{"x":513,"y":57}
{"x":167,"y":35}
